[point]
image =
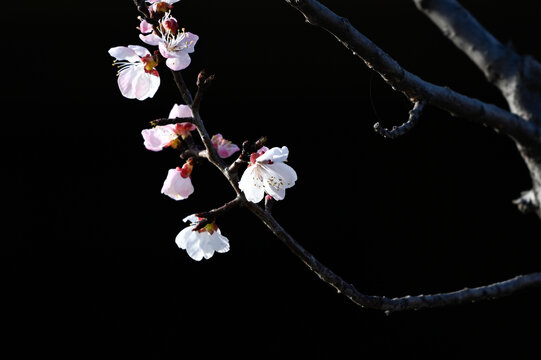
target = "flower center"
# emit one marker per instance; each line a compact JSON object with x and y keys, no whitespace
{"x":168,"y":24}
{"x":150,"y":62}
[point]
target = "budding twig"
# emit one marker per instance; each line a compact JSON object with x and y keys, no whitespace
{"x":203,"y":83}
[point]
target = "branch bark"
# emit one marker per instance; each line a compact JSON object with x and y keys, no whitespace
{"x":517,"y":77}
{"x":523,"y":124}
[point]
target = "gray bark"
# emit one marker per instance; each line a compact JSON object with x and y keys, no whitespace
{"x":518,"y":77}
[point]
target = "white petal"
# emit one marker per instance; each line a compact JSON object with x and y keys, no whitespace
{"x":127,"y":79}
{"x":124,"y":53}
{"x":191,"y":40}
{"x":192,"y":219}
{"x":150,"y":39}
{"x":275,"y":154}
{"x":277,"y":177}
{"x":219,"y":242}
{"x":146,"y":86}
{"x":179,"y":62}
{"x":182,"y":237}
{"x":193,"y":245}
{"x":251,"y":185}
{"x":139,"y":50}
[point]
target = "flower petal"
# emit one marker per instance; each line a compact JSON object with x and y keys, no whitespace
{"x":275,"y":154}
{"x":191,"y":218}
{"x":277,"y":177}
{"x":124,"y":53}
{"x":150,"y":39}
{"x":190,"y":41}
{"x":251,"y":185}
{"x":127,"y":79}
{"x":177,"y":187}
{"x":219,"y":242}
{"x":193,"y":245}
{"x":179,"y":62}
{"x":180,"y":111}
{"x":139,"y":50}
{"x":182,"y":237}
{"x":146,"y":86}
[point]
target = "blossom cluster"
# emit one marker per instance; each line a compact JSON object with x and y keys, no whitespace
{"x":267,"y":174}
{"x":138,"y":77}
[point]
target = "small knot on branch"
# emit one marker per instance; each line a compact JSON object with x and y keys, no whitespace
{"x":396,"y":131}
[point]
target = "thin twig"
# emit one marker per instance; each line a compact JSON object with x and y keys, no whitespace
{"x":396,"y":131}
{"x":209,"y":216}
{"x":167,"y":121}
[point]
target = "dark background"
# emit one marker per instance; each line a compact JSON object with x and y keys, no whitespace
{"x":89,"y":265}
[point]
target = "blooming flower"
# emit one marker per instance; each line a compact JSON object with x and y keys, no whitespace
{"x":267,"y":173}
{"x":178,"y":184}
{"x":174,"y":45}
{"x":162,"y":136}
{"x":137,"y":76}
{"x":224,"y":147}
{"x":201,"y":243}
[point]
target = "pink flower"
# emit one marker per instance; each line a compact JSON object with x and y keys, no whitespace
{"x":178,"y":184}
{"x":174,"y":45}
{"x":267,"y":173}
{"x":161,"y":136}
{"x":224,"y":147}
{"x":201,"y":243}
{"x":137,"y":76}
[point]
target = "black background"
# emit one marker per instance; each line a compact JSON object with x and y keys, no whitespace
{"x":89,"y":264}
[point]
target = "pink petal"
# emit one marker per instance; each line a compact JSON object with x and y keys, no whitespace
{"x":180,"y":111}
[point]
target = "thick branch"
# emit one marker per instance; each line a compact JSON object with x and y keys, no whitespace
{"x":456,"y":23}
{"x":411,"y":85}
{"x":518,"y":78}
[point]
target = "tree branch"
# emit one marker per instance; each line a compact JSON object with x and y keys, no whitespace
{"x":500,"y":64}
{"x":466,"y":295}
{"x":167,"y":121}
{"x":411,"y":85}
{"x":396,"y":131}
{"x":517,"y":77}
